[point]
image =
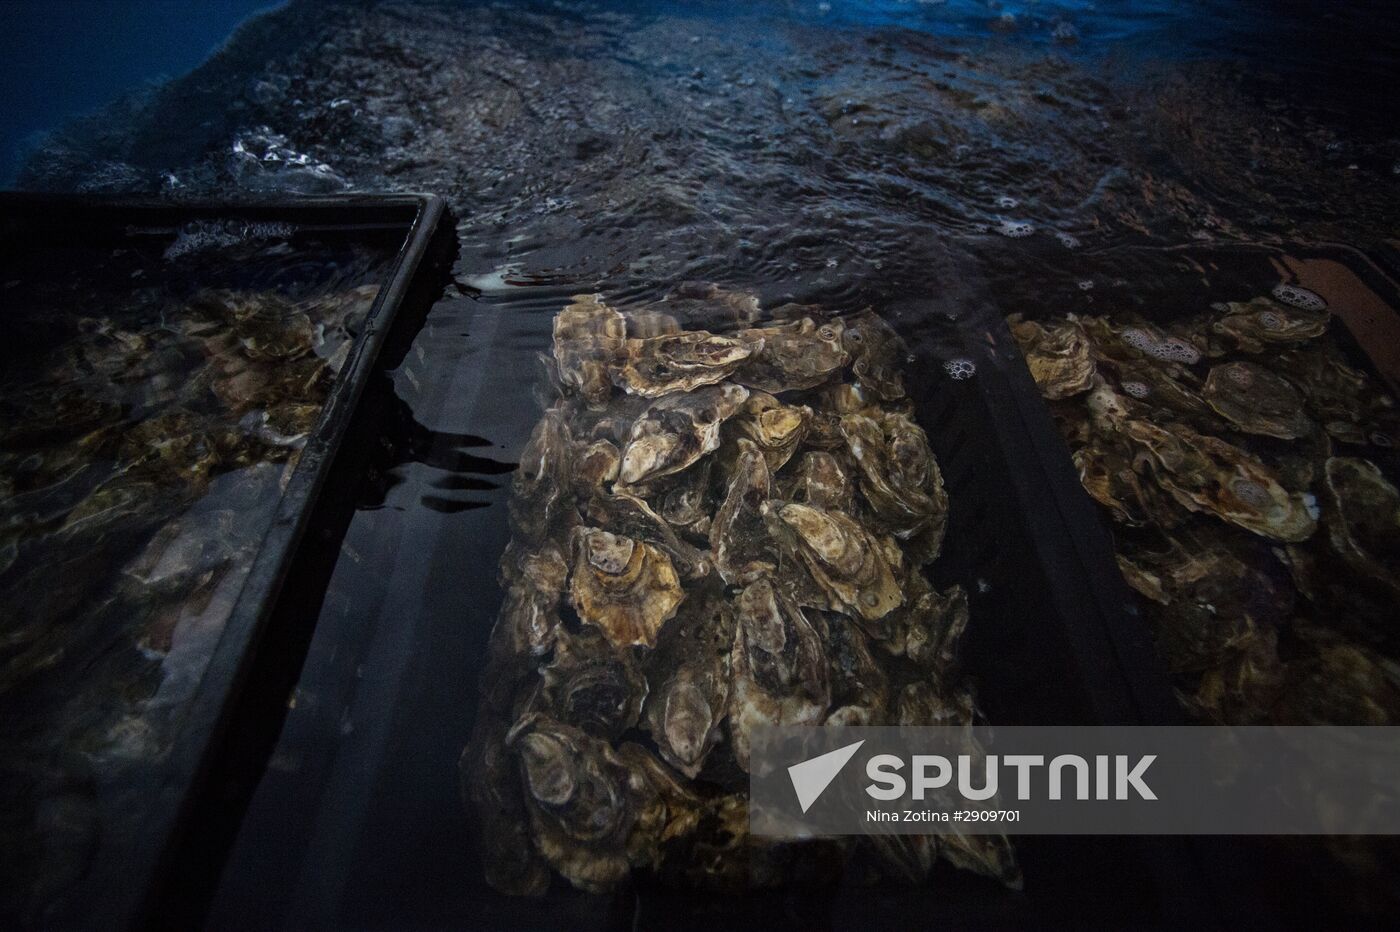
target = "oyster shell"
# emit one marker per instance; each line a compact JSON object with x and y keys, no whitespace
{"x":690,"y":673}
{"x":788,"y":357}
{"x":1345,"y":401}
{"x":780,"y":671}
{"x":684,"y":361}
{"x":1262,"y":323}
{"x":898,"y":475}
{"x":588,"y":341}
{"x":1256,"y":400}
{"x":852,"y":569}
{"x":1058,"y":355}
{"x":676,"y":431}
{"x":592,"y":684}
{"x":822,"y":483}
{"x":625,"y":587}
{"x":632,"y":517}
{"x":541,"y":494}
{"x":491,"y":786}
{"x":739,"y":538}
{"x":775,"y":428}
{"x":595,"y":465}
{"x":582,"y":800}
{"x":876,"y":353}
{"x":859,"y":686}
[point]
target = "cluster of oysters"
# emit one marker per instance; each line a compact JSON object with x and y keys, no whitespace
{"x":711,"y":533}
{"x":1240,"y":459}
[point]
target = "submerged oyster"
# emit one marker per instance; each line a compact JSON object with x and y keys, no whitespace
{"x":690,"y":673}
{"x":1345,"y":401}
{"x":876,"y":353}
{"x":1261,"y":323}
{"x":738,"y":536}
{"x":491,"y":784}
{"x":680,"y":362}
{"x":1204,"y":474}
{"x":788,"y":357}
{"x":677,"y":430}
{"x":1058,"y":355}
{"x":583,"y":801}
{"x":779,"y":666}
{"x":822,"y":483}
{"x":593,"y":684}
{"x":623,"y":586}
{"x":859,"y":686}
{"x":588,"y":340}
{"x":1256,"y":401}
{"x":632,"y":517}
{"x":899,"y":475}
{"x":541,"y":494}
{"x":853,"y":570}
{"x":775,"y":428}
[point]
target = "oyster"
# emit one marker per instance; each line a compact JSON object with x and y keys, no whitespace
{"x":739,"y":538}
{"x":1256,"y":400}
{"x":625,"y":587}
{"x":876,"y":353}
{"x":593,"y":685}
{"x":780,"y":670}
{"x":899,"y":475}
{"x":1345,"y":401}
{"x":788,"y":357}
{"x":685,"y":504}
{"x":853,"y":570}
{"x":632,"y":517}
{"x":676,"y":431}
{"x":588,"y":341}
{"x":859,"y":686}
{"x":534,"y":583}
{"x":1263,"y":323}
{"x":594,"y":466}
{"x":582,"y":798}
{"x":690,"y":670}
{"x":679,"y":362}
{"x":775,"y":428}
{"x":542,"y":497}
{"x":1058,"y":355}
{"x":491,"y":785}
{"x":1333,"y":682}
{"x":822,"y":483}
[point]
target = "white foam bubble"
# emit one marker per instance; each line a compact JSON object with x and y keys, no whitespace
{"x":1068,"y":240}
{"x":1269,"y":320}
{"x":960,"y":368}
{"x":1137,"y":389}
{"x":1299,"y":297}
{"x":1015,"y":229}
{"x":1007,"y":202}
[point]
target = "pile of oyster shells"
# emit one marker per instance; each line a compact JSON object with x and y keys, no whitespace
{"x":711,"y":533}
{"x":1241,"y":459}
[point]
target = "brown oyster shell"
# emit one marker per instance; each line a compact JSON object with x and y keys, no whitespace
{"x":541,"y":490}
{"x":690,"y":676}
{"x":788,"y":357}
{"x":490,"y":785}
{"x":625,"y":587}
{"x":853,"y":569}
{"x":631,"y":516}
{"x":1058,"y":355}
{"x":1262,"y":323}
{"x":877,"y":355}
{"x":588,"y":341}
{"x":592,"y":684}
{"x":739,"y":538}
{"x":679,"y":362}
{"x":898,"y":475}
{"x":775,"y":428}
{"x":1256,"y":400}
{"x":822,"y":482}
{"x":674,"y":432}
{"x":779,"y":666}
{"x":860,"y":693}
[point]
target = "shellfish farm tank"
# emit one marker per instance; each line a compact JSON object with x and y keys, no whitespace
{"x":438,"y":438}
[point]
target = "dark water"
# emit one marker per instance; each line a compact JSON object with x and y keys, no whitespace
{"x":983,"y":157}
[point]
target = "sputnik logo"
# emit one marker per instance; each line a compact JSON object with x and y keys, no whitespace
{"x":811,"y":777}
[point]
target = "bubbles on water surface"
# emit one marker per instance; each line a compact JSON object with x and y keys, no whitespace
{"x":1136,"y":389}
{"x":1250,"y":493}
{"x":1015,"y":229}
{"x":1086,"y":284}
{"x":1007,"y":202}
{"x":1067,"y":240}
{"x":960,"y":368}
{"x":1270,"y":321}
{"x":1299,"y":297}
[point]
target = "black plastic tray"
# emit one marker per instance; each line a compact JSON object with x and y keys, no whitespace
{"x":119,"y":884}
{"x":1256,"y":880}
{"x":366,"y":827}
